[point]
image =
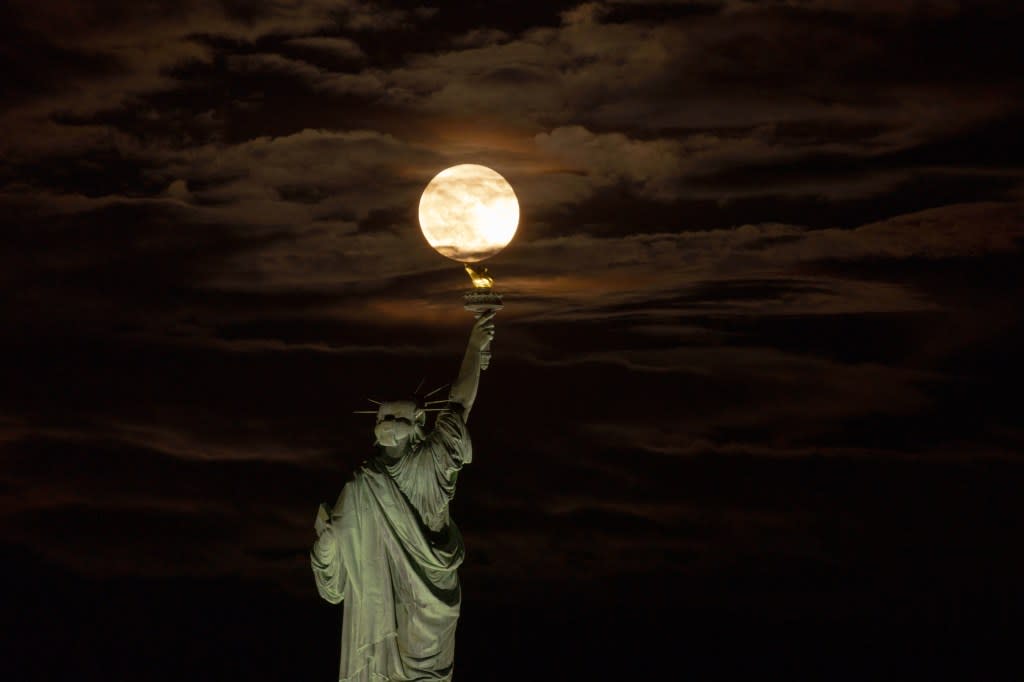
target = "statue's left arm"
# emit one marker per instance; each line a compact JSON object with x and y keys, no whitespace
{"x":328,"y":568}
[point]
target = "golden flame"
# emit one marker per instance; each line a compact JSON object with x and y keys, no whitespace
{"x":481,"y":278}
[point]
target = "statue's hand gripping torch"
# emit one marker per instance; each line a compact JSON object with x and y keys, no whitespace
{"x":482,"y":299}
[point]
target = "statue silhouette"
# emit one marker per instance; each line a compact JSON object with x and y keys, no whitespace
{"x":389,"y":550}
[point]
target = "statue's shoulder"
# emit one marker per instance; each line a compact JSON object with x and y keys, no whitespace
{"x":367,"y":470}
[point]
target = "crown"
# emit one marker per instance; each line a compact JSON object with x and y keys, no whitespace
{"x":421,"y":401}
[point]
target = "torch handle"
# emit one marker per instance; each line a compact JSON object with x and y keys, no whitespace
{"x":485,"y":352}
{"x":485,"y":356}
{"x":478,"y":302}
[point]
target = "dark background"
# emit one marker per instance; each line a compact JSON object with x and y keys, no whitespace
{"x":754,"y":404}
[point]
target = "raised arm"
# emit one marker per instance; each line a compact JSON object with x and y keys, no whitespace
{"x":465,"y":387}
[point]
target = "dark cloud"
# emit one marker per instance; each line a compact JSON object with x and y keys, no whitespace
{"x":337,"y":46}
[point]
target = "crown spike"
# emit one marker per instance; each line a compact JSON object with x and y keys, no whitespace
{"x":436,"y":390}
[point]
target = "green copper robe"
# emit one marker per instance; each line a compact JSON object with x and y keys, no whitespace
{"x":391,"y":554}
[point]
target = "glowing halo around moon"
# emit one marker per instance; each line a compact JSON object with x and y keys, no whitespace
{"x":468,"y":213}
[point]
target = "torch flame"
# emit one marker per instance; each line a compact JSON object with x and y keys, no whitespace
{"x":481,"y":278}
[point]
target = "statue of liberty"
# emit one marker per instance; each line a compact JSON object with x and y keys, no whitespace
{"x":389,"y":551}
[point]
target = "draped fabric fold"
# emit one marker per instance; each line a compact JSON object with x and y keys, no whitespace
{"x":390,"y":555}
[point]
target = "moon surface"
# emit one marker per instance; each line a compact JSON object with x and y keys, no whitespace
{"x":469,"y":212}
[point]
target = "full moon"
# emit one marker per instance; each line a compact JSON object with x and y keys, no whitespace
{"x":469,"y":213}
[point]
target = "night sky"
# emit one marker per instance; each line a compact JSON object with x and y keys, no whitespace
{"x":754,"y":406}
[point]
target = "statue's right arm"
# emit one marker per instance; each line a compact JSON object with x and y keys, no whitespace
{"x":465,"y":387}
{"x":328,"y":567}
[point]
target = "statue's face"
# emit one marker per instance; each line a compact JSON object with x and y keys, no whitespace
{"x":396,"y":421}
